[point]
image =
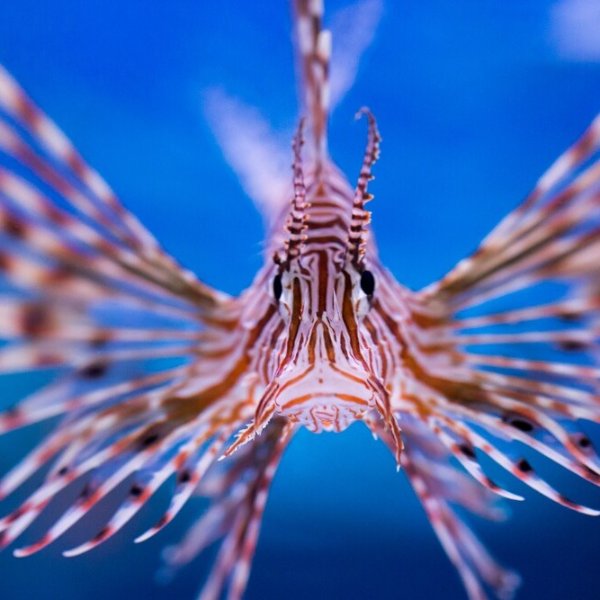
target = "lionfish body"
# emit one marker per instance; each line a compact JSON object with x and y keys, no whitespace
{"x":158,"y":376}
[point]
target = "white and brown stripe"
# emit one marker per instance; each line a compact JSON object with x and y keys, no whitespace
{"x":324,"y":337}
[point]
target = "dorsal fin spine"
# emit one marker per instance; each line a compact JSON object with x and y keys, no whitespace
{"x":314,"y":46}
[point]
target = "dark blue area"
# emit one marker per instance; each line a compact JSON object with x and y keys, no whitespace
{"x":473,"y":102}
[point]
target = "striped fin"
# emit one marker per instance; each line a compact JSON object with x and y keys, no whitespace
{"x":509,"y":340}
{"x":14,"y":524}
{"x":518,"y":467}
{"x":127,"y":457}
{"x":35,"y":409}
{"x":256,"y":152}
{"x":20,"y":107}
{"x":314,"y":53}
{"x":541,"y":234}
{"x":28,"y":217}
{"x":140,"y":494}
{"x":136,"y":346}
{"x":84,"y":505}
{"x":60,"y":398}
{"x":441,"y":488}
{"x":239,"y":491}
{"x":505,"y":349}
{"x":55,"y":162}
{"x":188,"y":478}
{"x":465,"y":455}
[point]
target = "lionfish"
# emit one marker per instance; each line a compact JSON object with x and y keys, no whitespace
{"x":158,"y":377}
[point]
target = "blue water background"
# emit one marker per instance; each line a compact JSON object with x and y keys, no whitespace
{"x":473,"y":101}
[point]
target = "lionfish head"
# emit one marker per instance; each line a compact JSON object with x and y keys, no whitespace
{"x":323,"y":285}
{"x":324,"y":380}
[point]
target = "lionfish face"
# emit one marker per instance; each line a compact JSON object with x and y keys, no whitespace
{"x":323,"y":290}
{"x":323,"y":380}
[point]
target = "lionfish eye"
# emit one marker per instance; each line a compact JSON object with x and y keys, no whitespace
{"x":277,"y":287}
{"x":367,"y":283}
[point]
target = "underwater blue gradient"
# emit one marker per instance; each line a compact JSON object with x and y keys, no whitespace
{"x":473,"y":101}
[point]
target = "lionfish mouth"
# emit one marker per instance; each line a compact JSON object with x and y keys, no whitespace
{"x":325,"y":411}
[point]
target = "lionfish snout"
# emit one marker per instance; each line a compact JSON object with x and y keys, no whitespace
{"x":318,"y":384}
{"x":325,"y":396}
